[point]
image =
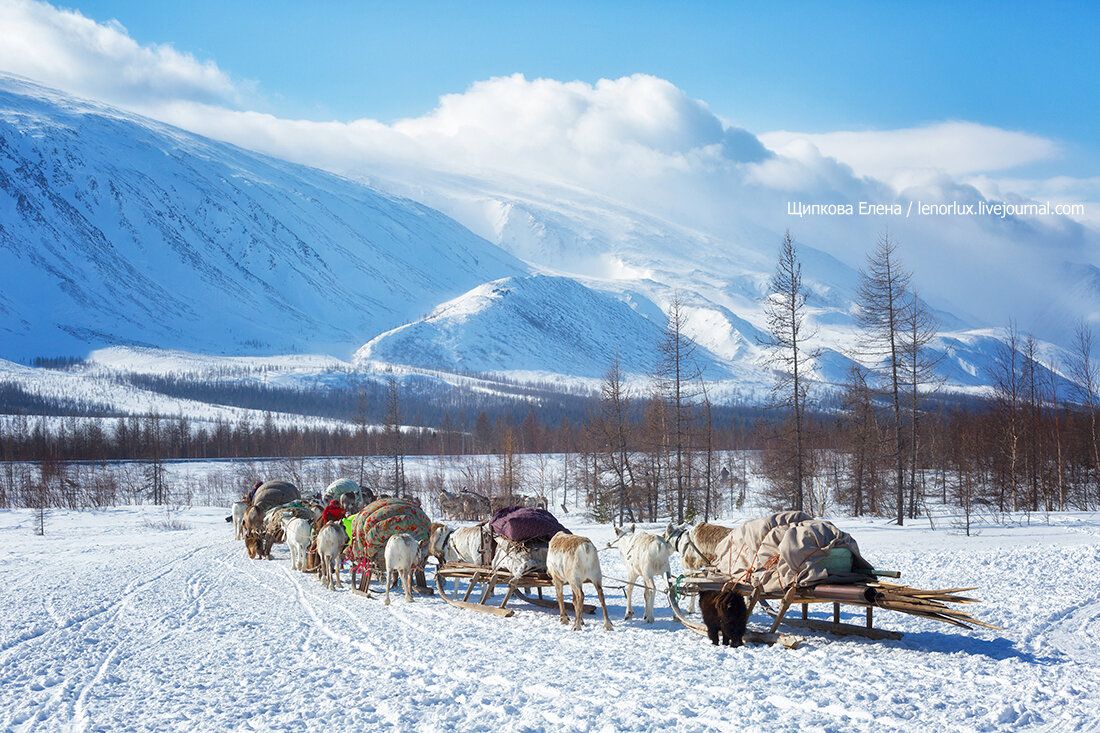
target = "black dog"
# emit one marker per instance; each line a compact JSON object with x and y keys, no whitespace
{"x":724,"y":611}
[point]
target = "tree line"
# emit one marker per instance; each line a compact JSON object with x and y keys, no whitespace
{"x":886,"y":442}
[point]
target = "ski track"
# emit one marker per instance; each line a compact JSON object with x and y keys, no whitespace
{"x":111,"y":625}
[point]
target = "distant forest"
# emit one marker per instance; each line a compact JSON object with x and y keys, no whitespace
{"x":886,"y":442}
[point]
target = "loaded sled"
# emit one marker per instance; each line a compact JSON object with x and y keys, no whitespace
{"x":512,"y":555}
{"x":791,"y":559}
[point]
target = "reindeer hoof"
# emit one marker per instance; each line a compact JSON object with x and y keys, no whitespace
{"x":629,"y":614}
{"x":563,"y":620}
{"x":608,"y":626}
{"x":649,"y":620}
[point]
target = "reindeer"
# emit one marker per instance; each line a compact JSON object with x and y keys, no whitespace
{"x":330,"y":545}
{"x":450,"y":504}
{"x":255,"y":539}
{"x":403,"y":554}
{"x":644,"y":555}
{"x":297,"y":531}
{"x":350,"y":503}
{"x":474,"y":506}
{"x":724,"y":611}
{"x":574,"y":560}
{"x":238,"y":512}
{"x":697,"y":546}
{"x":455,"y":545}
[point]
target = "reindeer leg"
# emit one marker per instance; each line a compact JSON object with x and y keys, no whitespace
{"x":336,"y":567}
{"x":406,"y":580}
{"x":606,"y":619}
{"x":386,"y":583}
{"x":559,"y":589}
{"x":629,"y":595}
{"x":650,"y":592}
{"x":364,"y":584}
{"x":578,"y":605}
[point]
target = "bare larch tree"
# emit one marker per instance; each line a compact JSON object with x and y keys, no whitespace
{"x":881,"y":296}
{"x":676,"y":372}
{"x":788,"y":353}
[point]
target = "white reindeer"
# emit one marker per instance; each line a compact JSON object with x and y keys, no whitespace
{"x":455,"y":545}
{"x":644,"y":555}
{"x":403,"y":553}
{"x":239,"y":509}
{"x":574,"y":560}
{"x":297,"y":532}
{"x":330,"y":544}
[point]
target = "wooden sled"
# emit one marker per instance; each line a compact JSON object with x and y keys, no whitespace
{"x":484,"y":576}
{"x":930,"y":604}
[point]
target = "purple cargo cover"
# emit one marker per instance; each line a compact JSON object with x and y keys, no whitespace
{"x":520,"y":524}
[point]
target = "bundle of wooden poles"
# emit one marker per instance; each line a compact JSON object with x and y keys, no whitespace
{"x":925,"y":603}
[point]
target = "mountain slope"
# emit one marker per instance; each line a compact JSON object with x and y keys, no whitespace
{"x":116,"y":229}
{"x":534,"y":324}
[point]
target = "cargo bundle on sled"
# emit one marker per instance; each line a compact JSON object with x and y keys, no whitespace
{"x":793,"y":559}
{"x":369,"y":531}
{"x":509,"y":550}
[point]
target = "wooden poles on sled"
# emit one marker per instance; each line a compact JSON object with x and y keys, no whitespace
{"x":931,"y":604}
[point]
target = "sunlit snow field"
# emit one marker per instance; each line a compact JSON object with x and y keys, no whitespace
{"x":113,"y":624}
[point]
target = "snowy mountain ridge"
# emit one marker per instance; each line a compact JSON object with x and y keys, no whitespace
{"x":116,"y":230}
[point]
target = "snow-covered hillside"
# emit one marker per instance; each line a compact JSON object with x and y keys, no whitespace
{"x":115,"y":229}
{"x":114,"y":623}
{"x":529,"y":324}
{"x":118,"y":230}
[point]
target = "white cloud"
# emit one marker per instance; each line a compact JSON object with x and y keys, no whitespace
{"x":637,"y":142}
{"x":955,"y":148}
{"x":64,"y":49}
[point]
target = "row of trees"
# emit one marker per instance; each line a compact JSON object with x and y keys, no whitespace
{"x":1033,"y":446}
{"x":880,"y":444}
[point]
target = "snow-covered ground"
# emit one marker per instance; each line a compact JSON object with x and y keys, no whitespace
{"x":112,"y":623}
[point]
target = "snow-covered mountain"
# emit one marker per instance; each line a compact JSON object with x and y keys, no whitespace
{"x":536,"y":322}
{"x":117,"y":230}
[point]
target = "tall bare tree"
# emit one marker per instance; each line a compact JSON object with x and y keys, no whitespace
{"x":882,"y":295}
{"x":861,"y":425}
{"x":676,"y":371}
{"x":1008,"y":371}
{"x":392,"y":427}
{"x":1086,"y":376}
{"x":789,"y":354}
{"x":920,"y":376}
{"x":610,"y":426}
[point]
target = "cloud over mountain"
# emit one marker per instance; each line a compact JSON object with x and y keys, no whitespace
{"x":631,"y":172}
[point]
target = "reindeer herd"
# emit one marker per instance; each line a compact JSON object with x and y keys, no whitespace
{"x":569,"y":559}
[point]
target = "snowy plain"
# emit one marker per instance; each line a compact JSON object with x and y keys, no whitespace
{"x":112,"y":623}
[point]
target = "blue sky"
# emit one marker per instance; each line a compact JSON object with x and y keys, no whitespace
{"x":811,"y":67}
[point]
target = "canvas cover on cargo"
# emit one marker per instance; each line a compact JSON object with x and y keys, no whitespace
{"x":790,"y":549}
{"x":342,"y":486}
{"x":273,"y":494}
{"x":380,"y":520}
{"x":522,"y":524}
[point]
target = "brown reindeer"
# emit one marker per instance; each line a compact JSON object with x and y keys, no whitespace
{"x":697,"y":546}
{"x":724,"y":611}
{"x":574,"y":560}
{"x":256,"y":541}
